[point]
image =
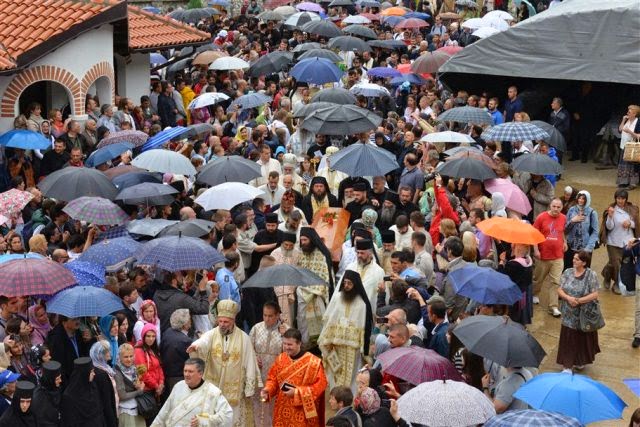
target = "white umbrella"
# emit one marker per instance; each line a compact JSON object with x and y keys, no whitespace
{"x":164,"y":161}
{"x":484,"y":32}
{"x":369,"y":90}
{"x":473,"y":23}
{"x":356,"y":19}
{"x":285,"y":10}
{"x":227,"y":195}
{"x":497,"y":23}
{"x":445,"y":403}
{"x":447,"y":136}
{"x":228,"y":63}
{"x":206,"y":99}
{"x":500,"y":14}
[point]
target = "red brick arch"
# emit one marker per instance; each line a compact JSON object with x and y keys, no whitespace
{"x":101,"y":69}
{"x":36,"y":74}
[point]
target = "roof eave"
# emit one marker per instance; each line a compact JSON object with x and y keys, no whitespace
{"x":167,"y":46}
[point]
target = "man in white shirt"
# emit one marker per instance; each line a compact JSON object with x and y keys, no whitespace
{"x":272,"y":189}
{"x":267,"y":164}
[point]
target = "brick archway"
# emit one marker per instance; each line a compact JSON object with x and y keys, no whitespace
{"x":36,"y":74}
{"x":101,"y":69}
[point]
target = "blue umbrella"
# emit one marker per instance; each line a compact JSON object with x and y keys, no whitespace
{"x":392,"y":21}
{"x":87,"y":273}
{"x":317,"y":71}
{"x":531,"y":418}
{"x":84,"y":301}
{"x":223,"y":3}
{"x":161,"y":137}
{"x":108,"y":153}
{"x":384,"y":72}
{"x":576,"y":396}
{"x":173,"y":253}
{"x":157,"y":58}
{"x":412,"y":78}
{"x":152,"y":9}
{"x":485,"y":285}
{"x":111,"y":253}
{"x":11,"y":257}
{"x":130,"y":179}
{"x":24,"y":139}
{"x":112,"y":233}
{"x":418,"y":15}
{"x":251,"y":100}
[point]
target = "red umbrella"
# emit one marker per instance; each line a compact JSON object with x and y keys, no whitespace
{"x":370,"y":16}
{"x":406,"y":69}
{"x":451,"y":50}
{"x":33,"y":276}
{"x":412,"y":23}
{"x":417,"y":365}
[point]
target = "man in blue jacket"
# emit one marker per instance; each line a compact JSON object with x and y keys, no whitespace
{"x":437,"y":327}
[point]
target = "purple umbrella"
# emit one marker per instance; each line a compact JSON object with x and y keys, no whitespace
{"x":417,"y":365}
{"x":307,"y":6}
{"x":384,"y":72}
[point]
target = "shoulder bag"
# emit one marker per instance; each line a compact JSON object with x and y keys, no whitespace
{"x":631,"y":152}
{"x":590,"y":317}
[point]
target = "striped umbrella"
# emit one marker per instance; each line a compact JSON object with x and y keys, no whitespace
{"x":174,"y":253}
{"x":466,"y":114}
{"x":84,"y":301}
{"x":135,"y":137}
{"x":161,"y":137}
{"x":532,"y":418}
{"x":87,"y":273}
{"x":33,"y":276}
{"x":417,"y":365}
{"x":515,"y":131}
{"x":95,"y":210}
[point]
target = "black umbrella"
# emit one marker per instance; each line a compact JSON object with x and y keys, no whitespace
{"x":500,"y":340}
{"x":346,"y":43}
{"x":198,"y":129}
{"x":341,"y":120}
{"x":147,"y":193}
{"x":209,"y":46}
{"x":188,"y":228}
{"x":283,"y":275}
{"x":321,"y":53}
{"x":307,"y":109}
{"x":229,"y":169}
{"x":193,"y":16}
{"x":72,"y":182}
{"x":556,"y":139}
{"x":133,"y":178}
{"x":303,"y":47}
{"x":387,"y":44}
{"x":538,"y":164}
{"x":322,"y":28}
{"x":364,"y":160}
{"x":466,"y":167}
{"x":361,"y":31}
{"x":334,"y":95}
{"x":179,"y":65}
{"x":271,"y":63}
{"x":343,"y":3}
{"x":270,"y":15}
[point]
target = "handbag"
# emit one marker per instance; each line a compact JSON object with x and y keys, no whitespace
{"x":590,"y":318}
{"x":631,"y":152}
{"x":147,"y":405}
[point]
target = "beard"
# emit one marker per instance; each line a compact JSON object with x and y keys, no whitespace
{"x":308,"y":248}
{"x":320,"y":197}
{"x":287,"y":253}
{"x":349,"y":296}
{"x":225,"y":330}
{"x":387,"y":214}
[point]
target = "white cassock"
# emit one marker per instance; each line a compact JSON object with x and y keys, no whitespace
{"x":371,"y":275}
{"x":205,"y":402}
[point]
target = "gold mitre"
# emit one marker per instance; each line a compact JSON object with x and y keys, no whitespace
{"x":227,"y":308}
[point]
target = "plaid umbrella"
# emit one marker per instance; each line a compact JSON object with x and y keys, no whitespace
{"x":515,"y":131}
{"x":532,"y":418}
{"x":95,"y":210}
{"x":466,"y":115}
{"x":13,"y":201}
{"x":84,"y":301}
{"x":70,"y":183}
{"x":417,"y":365}
{"x":135,"y":137}
{"x":87,"y":273}
{"x":33,"y":276}
{"x":111,"y":253}
{"x":148,"y":226}
{"x":173,"y":253}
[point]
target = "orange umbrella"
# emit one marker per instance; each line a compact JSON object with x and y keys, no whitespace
{"x":207,"y":57}
{"x":511,"y":230}
{"x":394,"y":11}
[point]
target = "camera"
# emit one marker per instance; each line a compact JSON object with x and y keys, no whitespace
{"x":430,"y":177}
{"x":387,"y":278}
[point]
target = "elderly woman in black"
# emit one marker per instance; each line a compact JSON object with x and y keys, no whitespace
{"x":46,"y":398}
{"x":81,"y":405}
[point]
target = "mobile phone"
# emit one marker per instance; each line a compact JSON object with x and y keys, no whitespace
{"x":385,"y":403}
{"x":199,"y":277}
{"x":382,"y":320}
{"x":387,"y":278}
{"x":286,"y":386}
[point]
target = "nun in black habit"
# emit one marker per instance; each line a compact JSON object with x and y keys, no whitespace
{"x":20,"y":413}
{"x":47,"y":397}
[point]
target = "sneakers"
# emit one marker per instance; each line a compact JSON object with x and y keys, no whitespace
{"x":578,"y":367}
{"x":536,"y":300}
{"x":636,"y":342}
{"x":555,"y":312}
{"x":567,"y":371}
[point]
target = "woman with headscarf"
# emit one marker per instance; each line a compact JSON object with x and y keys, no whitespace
{"x":498,"y":205}
{"x":374,"y":415}
{"x":148,"y":315}
{"x":39,"y":323}
{"x":81,"y":405}
{"x":20,"y":413}
{"x":109,"y":329}
{"x":105,"y":381}
{"x":47,"y":396}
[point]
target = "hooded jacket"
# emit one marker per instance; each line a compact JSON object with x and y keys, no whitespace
{"x":584,"y":234}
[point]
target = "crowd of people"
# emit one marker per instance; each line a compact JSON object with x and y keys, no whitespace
{"x":196,"y":347}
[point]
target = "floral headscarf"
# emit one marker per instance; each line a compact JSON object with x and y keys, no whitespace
{"x":98,"y":354}
{"x":369,"y":401}
{"x":40,"y":330}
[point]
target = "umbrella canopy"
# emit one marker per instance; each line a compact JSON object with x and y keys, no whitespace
{"x":148,"y":193}
{"x":451,"y":50}
{"x":430,"y":62}
{"x":164,"y":161}
{"x":164,"y":136}
{"x":576,"y":396}
{"x":467,"y":3}
{"x":229,"y":169}
{"x":445,"y":403}
{"x":157,"y":58}
{"x":206,"y":99}
{"x":361,"y":31}
{"x":134,"y":137}
{"x":347,"y":43}
{"x":411,"y":23}
{"x":364,"y":160}
{"x":307,"y":6}
{"x":174,"y":253}
{"x":484,"y":285}
{"x":304,"y":110}
{"x":10,"y":257}
{"x":95,"y":210}
{"x":193,"y":16}
{"x":556,"y":139}
{"x":133,"y":178}
{"x":466,"y":167}
{"x":303,"y":47}
{"x":371,"y":16}
{"x":13,"y":201}
{"x":321,"y":53}
{"x":112,"y":173}
{"x":33,"y":276}
{"x":473,"y":154}
{"x":297,"y":20}
{"x":285,"y":10}
{"x":417,"y":365}
{"x":271,"y":63}
{"x":514,"y":197}
{"x":148,"y":226}
{"x":500,"y":14}
{"x":84,"y":301}
{"x":356,"y":19}
{"x":515,"y":131}
{"x":466,"y":114}
{"x":283,"y":275}
{"x":321,"y":28}
{"x":448,"y":136}
{"x":394,"y":11}
{"x":532,"y":418}
{"x":227,"y":195}
{"x":198,"y":129}
{"x":511,"y":230}
{"x":270,"y":15}
{"x":411,"y":78}
{"x":387,"y":44}
{"x":462,"y":149}
{"x":106,"y":154}
{"x":369,"y":3}
{"x":371,"y":90}
{"x":111,"y":253}
{"x":538,"y":164}
{"x":87,"y":273}
{"x":501,"y":340}
{"x":70,"y":183}
{"x":383,"y":72}
{"x":189,"y":228}
{"x":208,"y":56}
{"x":343,"y":3}
{"x":334,"y":95}
{"x":180,"y":65}
{"x":484,"y":32}
{"x":341,"y":120}
{"x":252,"y":100}
{"x":419,"y":15}
{"x":229,"y":63}
{"x":25,"y":140}
{"x":317,"y":71}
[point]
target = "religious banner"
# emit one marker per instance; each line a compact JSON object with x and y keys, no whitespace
{"x":331,"y":224}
